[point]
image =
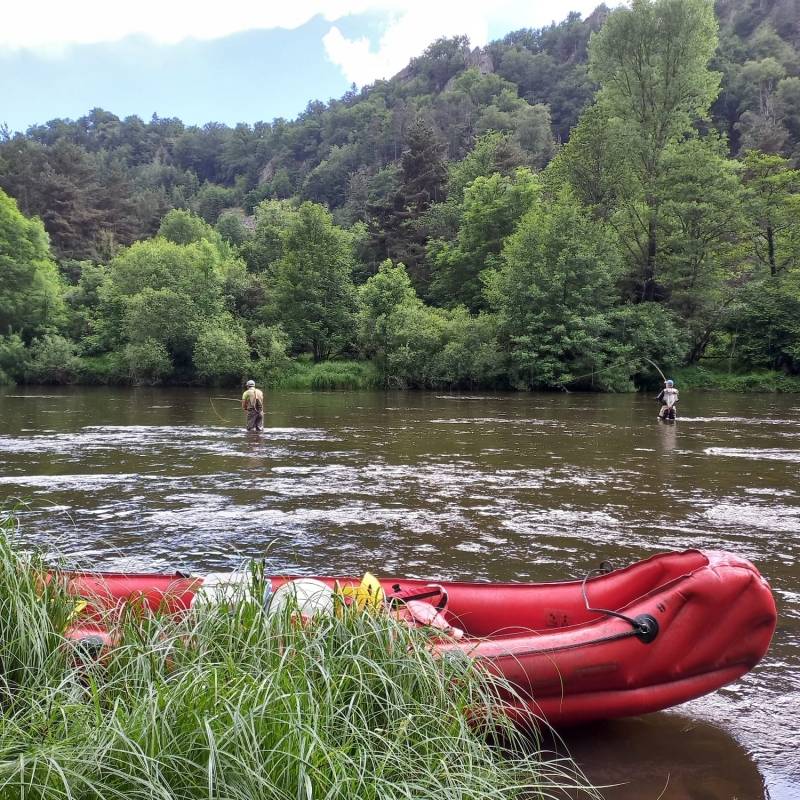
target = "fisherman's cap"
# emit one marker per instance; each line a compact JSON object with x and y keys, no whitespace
{"x":251,"y":383}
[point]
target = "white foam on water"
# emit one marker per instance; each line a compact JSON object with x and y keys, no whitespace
{"x":552,"y":423}
{"x":761,"y":517}
{"x":82,"y":482}
{"x":755,"y":454}
{"x":467,"y":397}
{"x":767,"y":492}
{"x":742,"y":420}
{"x":147,"y":439}
{"x":471,"y":547}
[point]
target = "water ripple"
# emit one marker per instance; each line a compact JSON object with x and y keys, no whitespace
{"x":771,"y":454}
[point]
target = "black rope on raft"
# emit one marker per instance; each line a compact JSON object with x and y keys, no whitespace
{"x":645,"y":626}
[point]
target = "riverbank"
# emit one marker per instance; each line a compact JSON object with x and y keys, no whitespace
{"x":697,"y":378}
{"x":302,"y":374}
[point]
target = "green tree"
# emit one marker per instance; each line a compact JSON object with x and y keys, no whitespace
{"x":31,"y":294}
{"x":773,"y":206}
{"x":416,"y":336}
{"x":13,"y":358}
{"x":490,"y":212}
{"x":84,"y":302}
{"x":162,"y":292}
{"x":788,"y":106}
{"x":231,"y":228}
{"x":221,"y":353}
{"x":53,"y":359}
{"x":327,"y":182}
{"x":212,"y":200}
{"x":265,"y":247}
{"x":441,"y":61}
{"x":651,"y":61}
{"x":420,"y":346}
{"x":378,"y":301}
{"x":594,"y":163}
{"x":148,"y":361}
{"x":397,"y":229}
{"x":470,"y":354}
{"x":165,"y":315}
{"x":703,"y":247}
{"x":270,"y":344}
{"x":760,"y":125}
{"x":554,"y":293}
{"x":183,"y":227}
{"x":314,"y":293}
{"x":492,"y":152}
{"x":765,"y":324}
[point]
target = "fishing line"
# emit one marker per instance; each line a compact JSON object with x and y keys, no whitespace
{"x":607,"y":369}
{"x":214,"y":408}
{"x":656,"y":366}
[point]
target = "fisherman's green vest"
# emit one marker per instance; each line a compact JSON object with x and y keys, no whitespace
{"x":253,"y":398}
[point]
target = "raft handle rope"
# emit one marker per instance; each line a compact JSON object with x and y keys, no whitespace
{"x":645,"y":626}
{"x":426,"y":593}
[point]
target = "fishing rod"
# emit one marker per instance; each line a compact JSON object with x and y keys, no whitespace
{"x":657,"y":367}
{"x":607,"y":369}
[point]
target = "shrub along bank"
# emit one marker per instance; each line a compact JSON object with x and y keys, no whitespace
{"x":715,"y":380}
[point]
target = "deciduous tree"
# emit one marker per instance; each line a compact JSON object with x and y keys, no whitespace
{"x":314,"y":292}
{"x":31,"y":294}
{"x":651,"y":61}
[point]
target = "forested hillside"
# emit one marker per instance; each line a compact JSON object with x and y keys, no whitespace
{"x":551,"y":210}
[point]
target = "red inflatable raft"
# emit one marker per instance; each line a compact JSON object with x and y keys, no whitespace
{"x":627,"y":642}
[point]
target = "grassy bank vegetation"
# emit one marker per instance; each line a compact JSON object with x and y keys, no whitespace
{"x":231,"y":702}
{"x":717,"y":380}
{"x":305,"y":375}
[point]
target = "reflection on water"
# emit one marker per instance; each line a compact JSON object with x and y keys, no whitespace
{"x":665,"y":756}
{"x":513,"y":487}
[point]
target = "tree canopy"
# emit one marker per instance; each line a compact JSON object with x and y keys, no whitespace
{"x":553,"y":209}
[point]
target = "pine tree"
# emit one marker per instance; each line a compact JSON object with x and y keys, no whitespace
{"x":396,"y":224}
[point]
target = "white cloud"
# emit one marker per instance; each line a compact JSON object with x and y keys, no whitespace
{"x":55,"y":23}
{"x":414,"y":24}
{"x":50,"y":25}
{"x":408,"y":33}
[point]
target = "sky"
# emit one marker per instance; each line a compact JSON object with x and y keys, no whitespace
{"x":229,"y":62}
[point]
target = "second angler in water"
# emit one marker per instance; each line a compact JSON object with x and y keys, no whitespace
{"x":253,"y":405}
{"x":668,"y":397}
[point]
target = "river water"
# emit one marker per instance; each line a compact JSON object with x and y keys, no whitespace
{"x":505,"y":487}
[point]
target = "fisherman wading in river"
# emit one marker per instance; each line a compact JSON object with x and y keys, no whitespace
{"x":253,"y":404}
{"x":668,"y":397}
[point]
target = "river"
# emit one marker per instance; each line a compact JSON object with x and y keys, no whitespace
{"x":506,"y":487}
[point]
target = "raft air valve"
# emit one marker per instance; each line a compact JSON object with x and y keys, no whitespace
{"x":646,"y":627}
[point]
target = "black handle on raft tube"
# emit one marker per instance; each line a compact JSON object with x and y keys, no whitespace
{"x":645,"y":626}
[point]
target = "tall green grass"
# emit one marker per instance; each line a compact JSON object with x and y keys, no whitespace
{"x":328,"y":375}
{"x":231,"y":702}
{"x":765,"y":381}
